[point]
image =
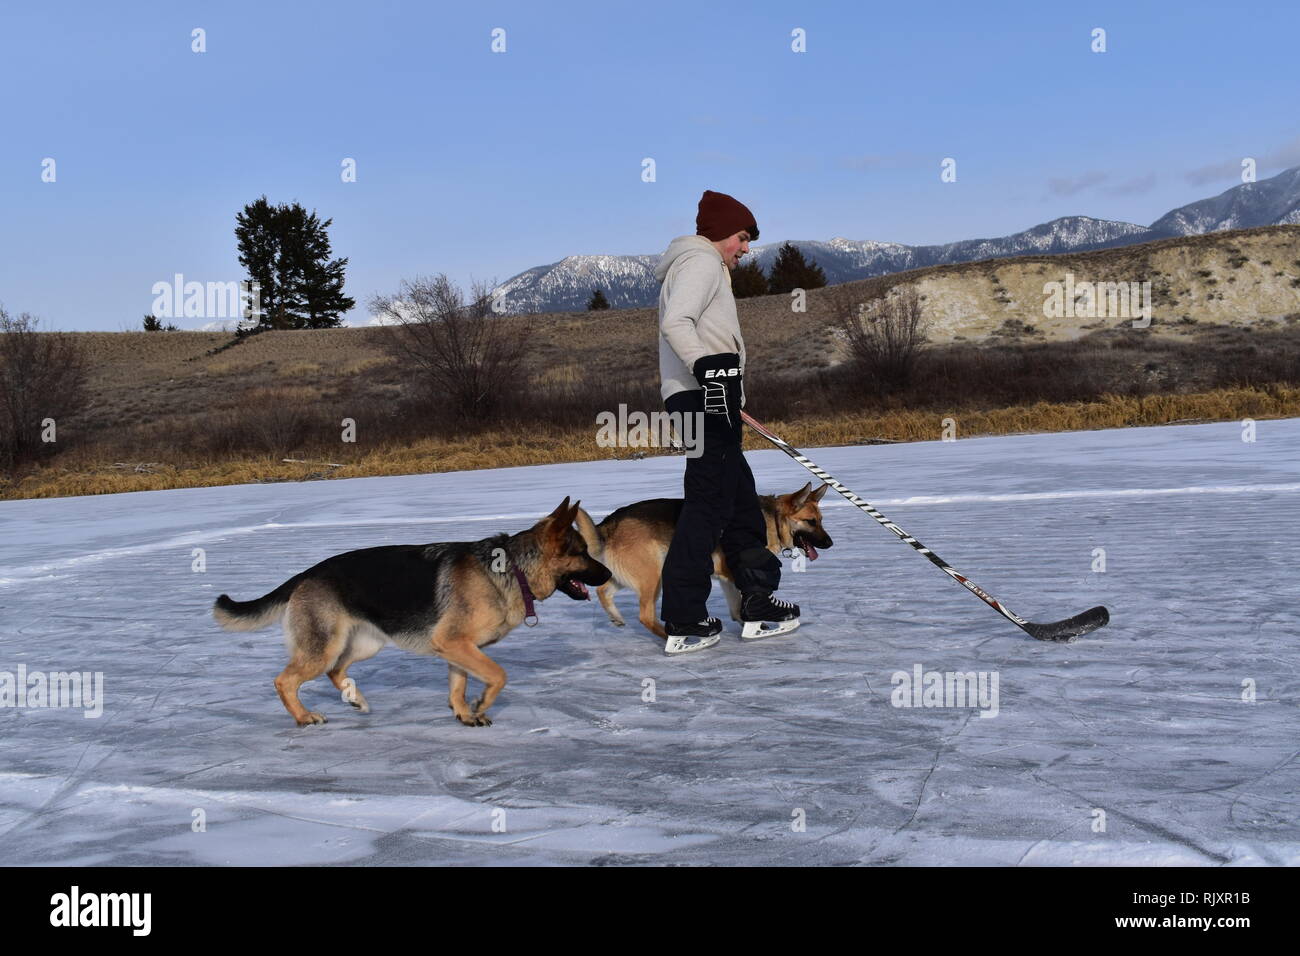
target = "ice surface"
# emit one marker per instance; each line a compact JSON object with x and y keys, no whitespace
{"x":1143,"y":720}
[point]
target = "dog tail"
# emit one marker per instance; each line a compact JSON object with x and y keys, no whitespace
{"x":590,"y":534}
{"x":252,"y":615}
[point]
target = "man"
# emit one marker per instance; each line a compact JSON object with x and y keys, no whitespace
{"x":702,"y":366}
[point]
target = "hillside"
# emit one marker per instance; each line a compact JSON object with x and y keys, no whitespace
{"x":1240,"y":278}
{"x":173,"y":409}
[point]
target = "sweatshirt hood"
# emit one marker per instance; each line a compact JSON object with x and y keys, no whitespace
{"x":683,"y":246}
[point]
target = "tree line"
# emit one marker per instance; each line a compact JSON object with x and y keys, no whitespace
{"x":790,"y":271}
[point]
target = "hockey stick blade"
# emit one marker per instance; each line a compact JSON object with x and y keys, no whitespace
{"x":1071,"y":627}
{"x":1059,"y":631}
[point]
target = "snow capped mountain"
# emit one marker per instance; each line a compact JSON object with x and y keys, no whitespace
{"x":1270,"y":202}
{"x":1067,"y":234}
{"x":218,"y":325}
{"x":567,"y":285}
{"x":629,"y":282}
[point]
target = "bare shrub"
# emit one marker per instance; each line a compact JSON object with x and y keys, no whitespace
{"x":460,"y":358}
{"x":42,"y":376}
{"x":278,"y":421}
{"x":885,"y":338}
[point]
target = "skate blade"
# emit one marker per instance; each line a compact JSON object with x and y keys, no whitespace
{"x":678,"y":645}
{"x":754,"y":630}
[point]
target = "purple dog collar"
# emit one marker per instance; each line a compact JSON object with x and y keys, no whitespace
{"x":529,"y":610}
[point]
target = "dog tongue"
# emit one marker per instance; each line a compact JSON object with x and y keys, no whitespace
{"x":581,"y":587}
{"x":812,"y":552}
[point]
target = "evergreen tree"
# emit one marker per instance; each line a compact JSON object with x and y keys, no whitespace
{"x":747,"y":280}
{"x":287,"y":250}
{"x":154,"y":324}
{"x":791,"y":271}
{"x":597,"y":301}
{"x":256,"y":232}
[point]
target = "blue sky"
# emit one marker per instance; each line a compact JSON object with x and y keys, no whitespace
{"x":482,"y":164}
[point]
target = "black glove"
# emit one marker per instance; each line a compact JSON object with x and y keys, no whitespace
{"x":720,"y":375}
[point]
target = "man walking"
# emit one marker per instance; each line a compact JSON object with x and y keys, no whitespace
{"x":702,"y":367}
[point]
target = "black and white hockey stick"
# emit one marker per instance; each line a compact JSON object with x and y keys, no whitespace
{"x":1071,"y":627}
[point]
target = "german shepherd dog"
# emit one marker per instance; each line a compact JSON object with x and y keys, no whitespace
{"x":633,"y":543}
{"x":450,"y":599}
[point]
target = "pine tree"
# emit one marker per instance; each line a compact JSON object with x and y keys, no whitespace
{"x":287,"y":250}
{"x":597,"y":301}
{"x":311,"y":282}
{"x":256,"y":232}
{"x":154,"y":324}
{"x":791,"y":271}
{"x":748,"y":280}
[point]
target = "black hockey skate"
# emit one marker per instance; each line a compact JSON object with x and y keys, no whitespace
{"x":765,"y":616}
{"x":706,"y":634}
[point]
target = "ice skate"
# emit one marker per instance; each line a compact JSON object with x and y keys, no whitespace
{"x":685,"y":638}
{"x":765,"y":616}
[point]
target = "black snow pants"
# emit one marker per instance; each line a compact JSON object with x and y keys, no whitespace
{"x":721,"y":506}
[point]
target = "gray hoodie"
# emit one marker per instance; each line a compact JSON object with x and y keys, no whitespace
{"x":697,"y":312}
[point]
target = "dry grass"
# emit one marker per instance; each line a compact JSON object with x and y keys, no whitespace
{"x":548,"y":446}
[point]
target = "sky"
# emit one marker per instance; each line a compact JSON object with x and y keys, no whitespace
{"x":481,"y":164}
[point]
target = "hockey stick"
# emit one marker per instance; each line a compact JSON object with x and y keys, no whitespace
{"x":1071,"y":627}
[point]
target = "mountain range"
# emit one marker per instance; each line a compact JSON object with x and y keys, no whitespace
{"x":629,"y":281}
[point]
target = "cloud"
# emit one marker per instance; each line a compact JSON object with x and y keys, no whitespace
{"x":1063,"y":186}
{"x":1132,"y":187}
{"x":886,"y":161}
{"x":1215,"y":172}
{"x":1283,"y":157}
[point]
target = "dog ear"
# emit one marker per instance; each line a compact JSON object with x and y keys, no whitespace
{"x":561,"y":519}
{"x":817,"y":495}
{"x":800,"y":497}
{"x":559,"y":513}
{"x":564,"y":521}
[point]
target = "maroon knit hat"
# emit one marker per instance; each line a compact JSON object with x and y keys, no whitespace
{"x":720,"y":216}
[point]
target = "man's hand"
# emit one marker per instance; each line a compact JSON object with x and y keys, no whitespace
{"x":720,"y":375}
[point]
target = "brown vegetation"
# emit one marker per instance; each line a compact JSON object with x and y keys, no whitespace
{"x":169,"y":409}
{"x":42,"y":383}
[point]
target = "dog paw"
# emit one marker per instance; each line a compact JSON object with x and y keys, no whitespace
{"x":312,"y":717}
{"x":354,"y":697}
{"x":475,"y":720}
{"x":618,"y":623}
